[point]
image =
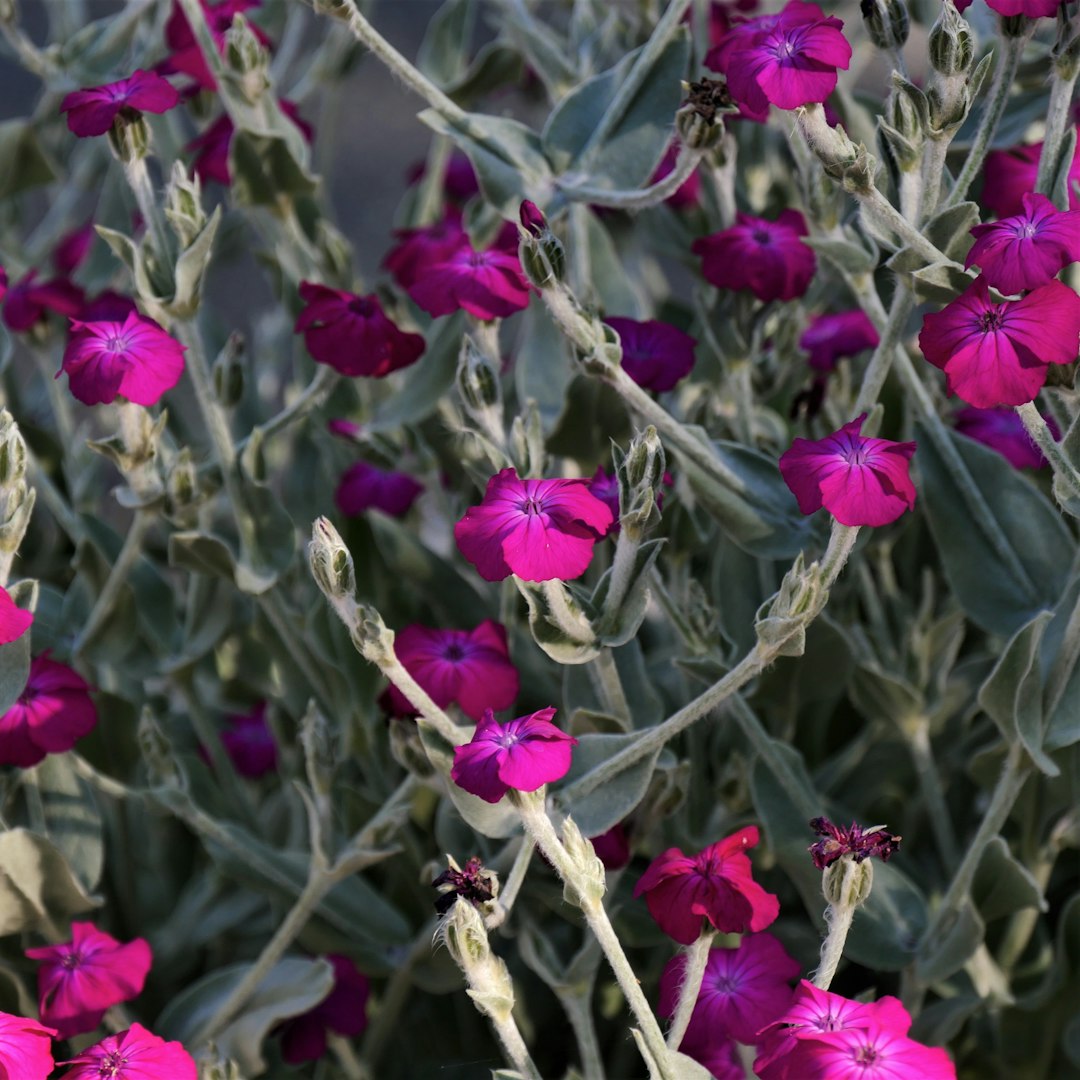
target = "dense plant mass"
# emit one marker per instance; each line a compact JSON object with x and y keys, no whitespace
{"x":633,"y":633}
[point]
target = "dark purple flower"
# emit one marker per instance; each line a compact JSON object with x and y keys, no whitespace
{"x":249,"y":742}
{"x":459,"y":183}
{"x":71,"y":252}
{"x":28,"y":301}
{"x":532,"y":219}
{"x":417,"y":249}
{"x":107,"y":306}
{"x":605,"y":487}
{"x":654,"y":354}
{"x":830,"y":337}
{"x":343,"y":1011}
{"x":92,"y":112}
{"x":367,"y":487}
{"x":860,"y":843}
{"x":613,"y":847}
{"x":472,"y":883}
{"x":1002,"y":430}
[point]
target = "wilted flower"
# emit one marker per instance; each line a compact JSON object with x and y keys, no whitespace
{"x":1009,"y":175}
{"x":343,"y":1011}
{"x":767,"y":257}
{"x":80,"y":980}
{"x":367,"y":487}
{"x":716,"y":884}
{"x":859,"y":480}
{"x":843,"y":333}
{"x":470,"y":667}
{"x":25,"y":1048}
{"x":14,"y":620}
{"x":1002,"y":430}
{"x":135,"y":1054}
{"x":859,"y":843}
{"x":52,"y":713}
{"x":92,"y":111}
{"x":998,"y":353}
{"x":249,"y":742}
{"x":520,"y":755}
{"x":655,"y":354}
{"x":535,"y":529}
{"x":28,"y":300}
{"x":472,"y":883}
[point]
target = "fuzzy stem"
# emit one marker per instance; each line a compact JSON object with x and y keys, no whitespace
{"x":579,"y":1013}
{"x":419,"y":699}
{"x":876,"y":206}
{"x":697,"y":956}
{"x":918,"y":740}
{"x":640,"y":198}
{"x":508,"y":893}
{"x":1057,"y":116}
{"x":877,"y":371}
{"x":622,"y":571}
{"x":138,"y":178}
{"x":838,"y":917}
{"x":509,"y":1036}
{"x":935,"y":151}
{"x":1043,"y":438}
{"x":572,"y":623}
{"x":323,"y":381}
{"x":604,"y":676}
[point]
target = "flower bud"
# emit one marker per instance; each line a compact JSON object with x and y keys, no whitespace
{"x":248,"y":58}
{"x":212,"y":1066}
{"x":228,"y":371}
{"x":847,"y":883}
{"x":641,"y":474}
{"x":183,"y":204}
{"x":129,"y":136}
{"x":542,"y":256}
{"x":463,"y":932}
{"x":532,"y":220}
{"x":908,"y":111}
{"x":12,"y":451}
{"x":887,"y":22}
{"x":477,"y":379}
{"x":331,"y":562}
{"x":527,"y":441}
{"x":589,"y":882}
{"x":182,"y":488}
{"x":781,"y":621}
{"x":952,"y":49}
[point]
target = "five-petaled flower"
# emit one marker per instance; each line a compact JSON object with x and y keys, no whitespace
{"x":837,"y":841}
{"x":135,"y":1054}
{"x":520,"y":755}
{"x":655,"y":354}
{"x":92,"y":111}
{"x":364,"y":486}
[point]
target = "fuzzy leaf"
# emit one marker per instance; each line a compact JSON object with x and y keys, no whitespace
{"x":36,"y":882}
{"x":1002,"y":885}
{"x":951,"y":948}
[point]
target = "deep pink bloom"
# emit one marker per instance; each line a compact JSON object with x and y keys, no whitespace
{"x":343,"y":1011}
{"x":53,"y":712}
{"x":715,"y":1052}
{"x":367,"y":487}
{"x":459,"y":182}
{"x":1009,"y":175}
{"x":1028,"y":249}
{"x":830,"y":337}
{"x":134,"y":359}
{"x":25,"y":1049}
{"x":859,"y":480}
{"x":185,"y":55}
{"x":688,"y":192}
{"x":352,"y":334}
{"x":520,"y":755}
{"x":14,"y":620}
{"x":470,"y":667}
{"x":211,"y":148}
{"x":79,"y":981}
{"x":1002,"y":430}
{"x":655,"y":354}
{"x":743,"y":989}
{"x":535,"y":529}
{"x":837,"y":841}
{"x":249,"y":742}
{"x":27,"y":301}
{"x":107,"y":306}
{"x":92,"y":112}
{"x":345,"y":429}
{"x":3,"y":283}
{"x":767,"y":257}
{"x":70,"y":253}
{"x":135,"y":1054}
{"x":1033,"y":9}
{"x":998,"y":354}
{"x":613,"y":847}
{"x":716,"y":884}
{"x":866,"y":1053}
{"x":605,"y":486}
{"x":418,"y":249}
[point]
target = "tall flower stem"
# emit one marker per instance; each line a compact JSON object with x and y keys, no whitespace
{"x":1062,"y":85}
{"x":697,"y":956}
{"x":1043,"y":438}
{"x":838,"y":918}
{"x":604,"y":676}
{"x":917,"y":734}
{"x":579,"y":1012}
{"x":570,"y":621}
{"x":877,"y":371}
{"x":508,"y":893}
{"x":885,"y":215}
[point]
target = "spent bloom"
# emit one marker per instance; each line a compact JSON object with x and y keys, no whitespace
{"x":767,"y":257}
{"x":520,"y":755}
{"x":28,"y":301}
{"x":14,"y":620}
{"x":92,"y":111}
{"x":25,"y":1049}
{"x":367,"y":487}
{"x":655,"y":354}
{"x":352,"y":334}
{"x":52,"y":713}
{"x":535,"y":529}
{"x":135,"y":1054}
{"x":471,"y":882}
{"x":1002,"y":430}
{"x":837,"y":841}
{"x":343,"y":1011}
{"x":998,"y":353}
{"x":470,"y":667}
{"x":843,"y":333}
{"x":80,"y":980}
{"x":1009,"y":175}
{"x":1027,"y":249}
{"x":859,"y":480}
{"x":134,"y":359}
{"x":716,"y":884}
{"x":249,"y":742}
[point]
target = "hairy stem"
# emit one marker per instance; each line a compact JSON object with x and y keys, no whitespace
{"x":697,"y":956}
{"x":1043,"y":438}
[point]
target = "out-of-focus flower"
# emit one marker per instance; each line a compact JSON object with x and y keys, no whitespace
{"x":767,"y":257}
{"x":52,"y":713}
{"x":843,"y":333}
{"x":343,"y":1011}
{"x":80,"y":980}
{"x":92,"y":111}
{"x":613,"y":847}
{"x":107,"y":306}
{"x":1033,"y":9}
{"x":689,"y":191}
{"x":605,"y":486}
{"x":28,"y":300}
{"x":470,"y":667}
{"x":249,"y":742}
{"x":837,"y":841}
{"x":716,"y":884}
{"x":536,"y":529}
{"x":14,"y":620}
{"x":367,"y":487}
{"x":211,"y":148}
{"x":998,"y":353}
{"x":859,"y":480}
{"x":25,"y":1048}
{"x":135,"y":1054}
{"x":185,"y":54}
{"x":654,"y":354}
{"x":520,"y":755}
{"x":1002,"y":430}
{"x":71,"y":251}
{"x":1009,"y":175}
{"x":459,"y":181}
{"x":417,"y":249}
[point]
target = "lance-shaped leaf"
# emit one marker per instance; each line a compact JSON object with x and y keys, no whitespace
{"x":36,"y":883}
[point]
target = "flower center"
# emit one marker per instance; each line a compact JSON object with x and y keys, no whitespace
{"x":784,"y":49}
{"x":855,"y":454}
{"x":507,"y":740}
{"x":762,"y":236}
{"x":531,"y":505}
{"x":991,"y":321}
{"x":70,"y":961}
{"x":866,"y":1055}
{"x":454,"y":651}
{"x":116,"y":343}
{"x":362,"y":306}
{"x":1027,"y":230}
{"x":111,"y":1064}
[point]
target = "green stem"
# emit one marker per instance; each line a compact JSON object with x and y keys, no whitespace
{"x":579,"y":1012}
{"x":322,"y":382}
{"x":877,"y":371}
{"x":506,"y":1030}
{"x":566,"y":616}
{"x":640,"y":198}
{"x":604,"y":676}
{"x":1043,"y":438}
{"x":886,"y":216}
{"x":138,"y":178}
{"x":509,"y":891}
{"x":918,"y":739}
{"x":935,"y":151}
{"x":697,"y":956}
{"x":1057,"y":117}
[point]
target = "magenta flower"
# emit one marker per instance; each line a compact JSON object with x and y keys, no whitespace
{"x":367,"y":487}
{"x":520,"y":755}
{"x":352,"y":334}
{"x":135,"y":1054}
{"x":865,"y":1053}
{"x":25,"y":1049}
{"x":28,"y":301}
{"x":716,"y":884}
{"x":605,"y":486}
{"x":14,"y":621}
{"x":1009,"y":175}
{"x":211,"y":148}
{"x":470,"y":667}
{"x":613,"y":847}
{"x":134,"y":359}
{"x":249,"y":742}
{"x":92,"y":112}
{"x":998,"y":353}
{"x":716,"y":1053}
{"x":535,"y":529}
{"x":837,"y":841}
{"x":654,"y":354}
{"x":767,"y":257}
{"x":1033,"y":9}
{"x":107,"y":306}
{"x":53,"y":712}
{"x":79,"y":981}
{"x":343,"y":1011}
{"x":417,"y":249}
{"x":71,"y":251}
{"x":859,"y":480}
{"x":1028,"y":249}
{"x":459,"y":181}
{"x":688,"y":193}
{"x":830,"y":337}
{"x":1002,"y":430}
{"x":3,"y":283}
{"x":743,"y":989}
{"x":185,"y":55}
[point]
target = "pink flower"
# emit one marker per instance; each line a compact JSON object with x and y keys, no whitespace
{"x":766,"y":257}
{"x":135,"y":1054}
{"x":689,"y":191}
{"x":25,"y":1049}
{"x":107,"y":306}
{"x":859,"y":480}
{"x":1002,"y":430}
{"x":866,"y":1053}
{"x":830,"y":337}
{"x":613,"y":847}
{"x":716,"y":884}
{"x":70,"y":253}
{"x":459,"y":182}
{"x":185,"y":55}
{"x":1033,"y":9}
{"x":837,"y":841}
{"x":718,"y":1054}
{"x":654,"y":354}
{"x":367,"y":487}
{"x":535,"y":529}
{"x":50,"y":716}
{"x":92,"y":112}
{"x":417,"y":249}
{"x":1028,"y":249}
{"x":1009,"y":175}
{"x":134,"y":359}
{"x":743,"y":989}
{"x":249,"y":742}
{"x":997,"y":354}
{"x":211,"y":148}
{"x":27,"y":302}
{"x":343,"y":1011}
{"x":14,"y":621}
{"x":79,"y":981}
{"x":3,"y":283}
{"x":470,"y":667}
{"x":352,"y":334}
{"x":520,"y":755}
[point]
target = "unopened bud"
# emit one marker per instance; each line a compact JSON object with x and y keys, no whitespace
{"x":908,"y":110}
{"x":331,"y":562}
{"x":532,"y":220}
{"x":212,"y":1066}
{"x":641,"y":472}
{"x":540,"y":251}
{"x":589,"y":882}
{"x":228,"y":371}
{"x":182,"y":486}
{"x":317,"y":740}
{"x":129,"y":136}
{"x":465,"y":936}
{"x":183,"y":204}
{"x":887,"y":22}
{"x":248,"y":58}
{"x":12,"y":451}
{"x":952,"y":48}
{"x":477,"y":380}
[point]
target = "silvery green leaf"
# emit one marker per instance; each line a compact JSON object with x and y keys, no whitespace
{"x":952,"y":946}
{"x":1003,"y":885}
{"x":36,"y":883}
{"x":191,"y":267}
{"x":949,"y":230}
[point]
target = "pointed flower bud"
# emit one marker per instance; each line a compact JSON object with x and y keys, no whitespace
{"x":246,"y":55}
{"x":183,"y":204}
{"x":228,"y":371}
{"x":532,"y":220}
{"x":331,"y":562}
{"x":952,"y":49}
{"x":540,"y":251}
{"x":462,"y":930}
{"x":886,"y":22}
{"x":589,"y":883}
